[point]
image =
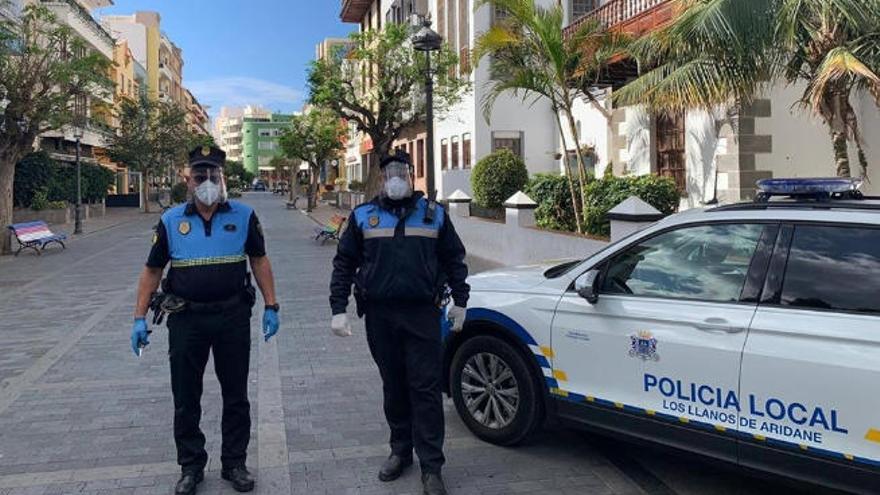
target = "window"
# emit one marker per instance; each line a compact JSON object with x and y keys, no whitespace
{"x":267,"y":145}
{"x":452,"y":26}
{"x":580,"y":8}
{"x":836,"y":268}
{"x":708,"y":263}
{"x":454,"y":152}
{"x":671,"y":148}
{"x":508,"y":140}
{"x":420,"y":158}
{"x":444,"y":154}
{"x":441,"y":17}
{"x":265,"y":133}
{"x":466,"y":151}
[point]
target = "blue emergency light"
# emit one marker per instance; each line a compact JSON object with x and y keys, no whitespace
{"x":819,"y":189}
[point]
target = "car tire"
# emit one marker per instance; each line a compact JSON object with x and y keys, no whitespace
{"x":484,"y":422}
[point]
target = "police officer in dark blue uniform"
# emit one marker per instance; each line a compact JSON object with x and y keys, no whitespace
{"x":208,"y":297}
{"x":401,"y":252}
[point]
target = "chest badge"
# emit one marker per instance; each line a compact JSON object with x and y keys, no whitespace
{"x":374,"y":221}
{"x":230,"y":227}
{"x":183,"y":228}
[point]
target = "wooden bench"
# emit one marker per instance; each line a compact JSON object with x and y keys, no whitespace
{"x":332,"y":230}
{"x":35,"y":235}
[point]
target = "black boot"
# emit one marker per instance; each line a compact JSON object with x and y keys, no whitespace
{"x":239,"y":477}
{"x":432,"y":484}
{"x":393,"y":467}
{"x":188,"y":482}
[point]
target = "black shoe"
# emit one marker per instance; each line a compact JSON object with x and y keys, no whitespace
{"x":188,"y":482}
{"x":432,"y":484}
{"x":240,"y":478}
{"x":393,"y":467}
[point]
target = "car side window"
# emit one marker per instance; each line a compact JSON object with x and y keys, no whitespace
{"x":707,"y":263}
{"x":833,"y":268}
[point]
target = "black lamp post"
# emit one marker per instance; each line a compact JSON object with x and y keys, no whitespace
{"x":78,"y":131}
{"x":427,"y":40}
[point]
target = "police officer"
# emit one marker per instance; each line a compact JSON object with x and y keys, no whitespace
{"x":401,"y":251}
{"x":208,"y":297}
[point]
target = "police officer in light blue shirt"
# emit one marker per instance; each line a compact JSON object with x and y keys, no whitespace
{"x":208,"y":296}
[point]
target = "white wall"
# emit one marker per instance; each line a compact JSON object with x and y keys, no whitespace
{"x":595,"y":131}
{"x":802,"y":143}
{"x":511,"y":245}
{"x":702,"y":146}
{"x":134,"y":33}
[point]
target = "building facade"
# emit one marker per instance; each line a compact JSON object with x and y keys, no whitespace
{"x":197,"y":118}
{"x":260,"y":141}
{"x":712,"y":156}
{"x":97,"y":106}
{"x":142,"y":32}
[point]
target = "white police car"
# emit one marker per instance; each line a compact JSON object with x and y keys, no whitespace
{"x":748,"y":332}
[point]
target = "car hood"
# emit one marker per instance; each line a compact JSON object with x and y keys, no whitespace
{"x":511,"y":279}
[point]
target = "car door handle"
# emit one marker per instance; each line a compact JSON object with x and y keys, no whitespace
{"x":718,"y":325}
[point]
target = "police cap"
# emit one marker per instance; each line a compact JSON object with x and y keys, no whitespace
{"x":210,"y":156}
{"x":399,"y":156}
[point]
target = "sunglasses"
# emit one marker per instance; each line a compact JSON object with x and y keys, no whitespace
{"x":200,"y":178}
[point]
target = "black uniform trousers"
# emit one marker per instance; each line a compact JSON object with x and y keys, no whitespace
{"x":192,"y":335}
{"x":405,"y":342}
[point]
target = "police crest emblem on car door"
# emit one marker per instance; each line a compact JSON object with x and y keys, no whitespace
{"x":643,"y":345}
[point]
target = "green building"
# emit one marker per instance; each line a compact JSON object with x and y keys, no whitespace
{"x":260,"y":141}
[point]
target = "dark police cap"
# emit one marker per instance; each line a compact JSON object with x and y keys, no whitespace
{"x":399,"y":156}
{"x":210,"y":156}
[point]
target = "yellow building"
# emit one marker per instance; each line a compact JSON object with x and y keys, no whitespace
{"x":143,"y":33}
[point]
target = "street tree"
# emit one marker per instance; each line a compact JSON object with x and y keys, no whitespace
{"x":286,"y":168}
{"x":152,"y":137}
{"x":377,"y":83}
{"x":531,"y":58}
{"x":724,"y":53}
{"x":314,"y":137}
{"x":44,"y":66}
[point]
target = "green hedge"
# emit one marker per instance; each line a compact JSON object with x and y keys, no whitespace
{"x":604,"y":194}
{"x":554,"y":211}
{"x":38,"y":172}
{"x":553,"y":196}
{"x":497,"y":177}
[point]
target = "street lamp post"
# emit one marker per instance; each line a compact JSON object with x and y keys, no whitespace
{"x":78,"y":131}
{"x":427,"y":40}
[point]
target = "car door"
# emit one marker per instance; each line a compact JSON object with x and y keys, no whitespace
{"x":810,"y":366}
{"x":665,"y":337}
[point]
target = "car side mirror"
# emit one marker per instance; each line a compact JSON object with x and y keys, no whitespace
{"x":586,"y":286}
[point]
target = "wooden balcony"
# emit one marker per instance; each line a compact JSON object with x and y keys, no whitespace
{"x":633,"y":17}
{"x":354,"y":10}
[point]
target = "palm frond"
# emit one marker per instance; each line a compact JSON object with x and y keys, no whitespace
{"x":840,"y":69}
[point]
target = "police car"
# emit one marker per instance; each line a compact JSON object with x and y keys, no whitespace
{"x":746,"y":332}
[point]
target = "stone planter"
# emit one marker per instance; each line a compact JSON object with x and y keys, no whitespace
{"x":56,"y":216}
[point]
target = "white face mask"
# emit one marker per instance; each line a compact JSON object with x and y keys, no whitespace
{"x":208,"y":193}
{"x":397,"y":188}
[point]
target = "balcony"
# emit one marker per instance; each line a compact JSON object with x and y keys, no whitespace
{"x":633,"y":17}
{"x":354,"y":10}
{"x":71,"y":13}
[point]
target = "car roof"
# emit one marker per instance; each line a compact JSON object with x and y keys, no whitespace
{"x":865,"y":211}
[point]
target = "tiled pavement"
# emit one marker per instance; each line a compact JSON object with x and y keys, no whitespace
{"x":80,"y":414}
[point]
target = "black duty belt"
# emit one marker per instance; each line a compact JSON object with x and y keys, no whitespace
{"x":163,"y":303}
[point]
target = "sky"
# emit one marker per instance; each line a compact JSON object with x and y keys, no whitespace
{"x":239,"y":52}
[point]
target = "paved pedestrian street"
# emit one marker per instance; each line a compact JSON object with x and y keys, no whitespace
{"x":80,"y":414}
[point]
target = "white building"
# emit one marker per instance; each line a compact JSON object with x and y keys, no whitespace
{"x":717,"y":155}
{"x":464,"y":136}
{"x":77,"y":15}
{"x":228,"y":128}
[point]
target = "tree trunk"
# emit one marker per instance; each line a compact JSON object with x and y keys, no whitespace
{"x":582,"y":169}
{"x":841,"y":153}
{"x":7,"y":177}
{"x":839,"y":136}
{"x":291,"y":184}
{"x":145,"y":188}
{"x":574,"y":202}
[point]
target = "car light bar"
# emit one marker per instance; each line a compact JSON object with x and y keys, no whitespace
{"x":814,"y":188}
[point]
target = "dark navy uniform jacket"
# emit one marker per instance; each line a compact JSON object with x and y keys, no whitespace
{"x":393,"y":255}
{"x":208,"y":258}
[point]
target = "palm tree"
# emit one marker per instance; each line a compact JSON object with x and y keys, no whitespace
{"x":725,"y":52}
{"x":531,"y":58}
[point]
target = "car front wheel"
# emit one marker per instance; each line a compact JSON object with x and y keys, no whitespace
{"x":494,"y":391}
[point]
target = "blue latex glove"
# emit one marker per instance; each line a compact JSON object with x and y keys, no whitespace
{"x":139,"y":336}
{"x":270,"y":324}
